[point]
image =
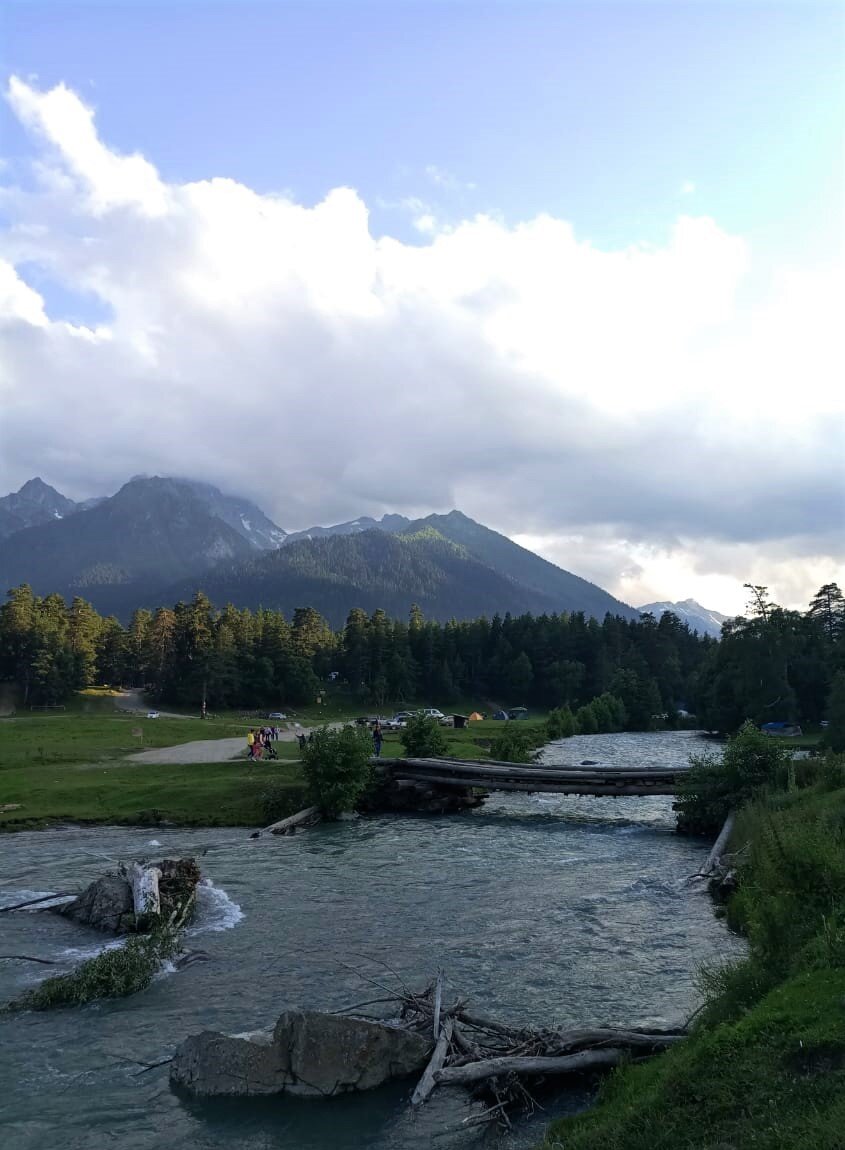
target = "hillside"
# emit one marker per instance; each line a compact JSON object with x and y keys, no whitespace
{"x":566,"y":591}
{"x":36,"y":502}
{"x":369,"y":569}
{"x":158,"y":539}
{"x":152,"y":532}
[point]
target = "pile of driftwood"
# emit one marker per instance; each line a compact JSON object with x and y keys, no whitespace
{"x":499,"y":1063}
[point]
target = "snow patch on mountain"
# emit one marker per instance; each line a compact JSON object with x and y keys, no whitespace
{"x":689,"y":611}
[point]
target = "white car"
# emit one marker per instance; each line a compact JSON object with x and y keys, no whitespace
{"x":152,"y":714}
{"x":432,"y":713}
{"x":277,"y":715}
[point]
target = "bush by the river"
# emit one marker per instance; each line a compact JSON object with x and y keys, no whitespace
{"x":515,"y":744}
{"x":717,"y":785}
{"x":423,"y":738}
{"x":603,"y":714}
{"x":337,"y":768}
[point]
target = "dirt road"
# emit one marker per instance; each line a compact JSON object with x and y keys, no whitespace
{"x":211,"y":750}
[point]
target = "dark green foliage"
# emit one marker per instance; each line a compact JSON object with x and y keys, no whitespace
{"x":835,"y":738}
{"x":626,"y":673}
{"x":337,"y":767}
{"x":422,"y":738}
{"x":715,"y":786}
{"x":113,"y":973}
{"x":775,"y":665}
{"x":514,"y":744}
{"x":561,"y":724}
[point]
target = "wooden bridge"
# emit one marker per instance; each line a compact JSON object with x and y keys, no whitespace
{"x":587,"y":779}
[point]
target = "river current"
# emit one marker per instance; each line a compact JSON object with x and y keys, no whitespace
{"x":542,"y":908}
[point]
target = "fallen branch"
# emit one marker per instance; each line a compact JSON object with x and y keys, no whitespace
{"x":497,"y":1067}
{"x":29,"y":958}
{"x":429,"y":1079}
{"x":302,"y":818}
{"x":35,"y":901}
{"x":718,"y":847}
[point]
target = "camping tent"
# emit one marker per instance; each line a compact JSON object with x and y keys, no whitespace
{"x":475,"y":717}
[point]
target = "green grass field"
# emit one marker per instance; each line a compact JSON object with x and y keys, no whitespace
{"x":70,"y":766}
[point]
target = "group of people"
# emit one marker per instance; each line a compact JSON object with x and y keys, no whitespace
{"x":259,"y":742}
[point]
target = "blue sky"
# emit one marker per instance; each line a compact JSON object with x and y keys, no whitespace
{"x":600,"y":113}
{"x":587,"y":287}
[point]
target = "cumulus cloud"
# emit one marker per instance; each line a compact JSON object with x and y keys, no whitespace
{"x":628,"y":410}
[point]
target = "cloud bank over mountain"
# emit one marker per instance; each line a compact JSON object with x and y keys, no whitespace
{"x":641,"y":416}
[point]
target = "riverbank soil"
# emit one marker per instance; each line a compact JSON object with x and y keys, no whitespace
{"x":764,"y":1065}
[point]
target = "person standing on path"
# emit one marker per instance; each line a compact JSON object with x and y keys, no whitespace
{"x":377,"y":740}
{"x":250,"y":744}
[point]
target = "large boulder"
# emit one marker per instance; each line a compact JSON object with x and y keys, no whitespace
{"x":212,"y":1064}
{"x":105,"y":905}
{"x":309,"y":1054}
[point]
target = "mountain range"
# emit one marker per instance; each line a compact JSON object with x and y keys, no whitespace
{"x":698,"y":618}
{"x":160,"y":539}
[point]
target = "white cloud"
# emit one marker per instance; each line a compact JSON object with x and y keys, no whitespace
{"x":632,"y":400}
{"x":687,"y":188}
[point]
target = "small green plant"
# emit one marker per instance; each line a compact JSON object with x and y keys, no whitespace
{"x":337,"y":767}
{"x":422,"y":738}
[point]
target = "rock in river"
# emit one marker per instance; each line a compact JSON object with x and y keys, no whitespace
{"x":308,"y":1053}
{"x":105,"y":905}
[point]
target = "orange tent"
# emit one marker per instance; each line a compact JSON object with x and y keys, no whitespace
{"x":474,"y":717}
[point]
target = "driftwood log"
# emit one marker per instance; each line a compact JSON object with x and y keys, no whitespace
{"x":146,"y":897}
{"x":718,"y":847}
{"x":495,"y":1060}
{"x":304,"y":818}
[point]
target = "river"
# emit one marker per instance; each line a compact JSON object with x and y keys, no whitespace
{"x":539,"y":907}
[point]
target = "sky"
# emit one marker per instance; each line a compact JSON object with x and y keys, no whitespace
{"x":575,"y":269}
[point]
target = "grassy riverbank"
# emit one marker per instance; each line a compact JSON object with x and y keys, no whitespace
{"x":72,"y":766}
{"x":764,"y":1066}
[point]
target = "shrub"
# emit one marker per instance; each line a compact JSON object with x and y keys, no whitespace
{"x":337,"y":767}
{"x":560,"y":723}
{"x":422,"y":738}
{"x":514,"y":744}
{"x":714,"y":787}
{"x":585,"y":717}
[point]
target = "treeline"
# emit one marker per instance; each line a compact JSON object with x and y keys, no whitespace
{"x":775,"y":664}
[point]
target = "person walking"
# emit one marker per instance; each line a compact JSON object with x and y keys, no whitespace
{"x":250,"y":744}
{"x":378,"y":738}
{"x":302,"y":741}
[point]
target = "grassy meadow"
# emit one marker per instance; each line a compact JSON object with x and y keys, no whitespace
{"x":71,"y":765}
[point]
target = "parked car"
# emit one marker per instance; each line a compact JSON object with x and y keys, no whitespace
{"x":402,"y":717}
{"x":152,"y":714}
{"x":277,"y":715}
{"x":432,"y":713}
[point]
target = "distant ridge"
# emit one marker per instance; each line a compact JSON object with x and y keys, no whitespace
{"x":698,"y":618}
{"x":159,"y":539}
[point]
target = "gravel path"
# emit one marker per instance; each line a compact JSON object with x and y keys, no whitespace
{"x":210,"y":750}
{"x":202,"y":751}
